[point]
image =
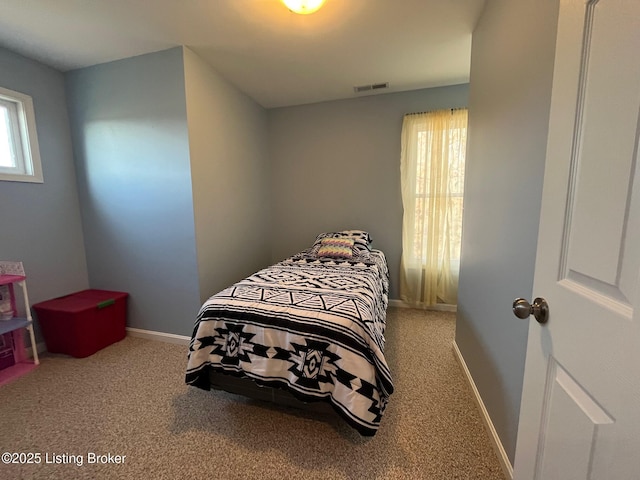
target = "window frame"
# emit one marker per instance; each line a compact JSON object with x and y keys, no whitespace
{"x":24,"y":137}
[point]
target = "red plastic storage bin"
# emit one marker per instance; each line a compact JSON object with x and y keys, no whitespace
{"x":82,"y":323}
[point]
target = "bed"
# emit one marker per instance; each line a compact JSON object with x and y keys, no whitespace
{"x":310,"y":327}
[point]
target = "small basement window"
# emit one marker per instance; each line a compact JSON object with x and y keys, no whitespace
{"x":19,"y":152}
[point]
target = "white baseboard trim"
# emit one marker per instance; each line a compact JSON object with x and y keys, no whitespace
{"x":507,"y":468}
{"x":158,"y":336}
{"x":438,"y":308}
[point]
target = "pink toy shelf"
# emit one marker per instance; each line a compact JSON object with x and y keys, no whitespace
{"x":14,"y":360}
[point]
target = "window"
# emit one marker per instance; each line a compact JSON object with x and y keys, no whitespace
{"x":19,"y":152}
{"x":432,"y":169}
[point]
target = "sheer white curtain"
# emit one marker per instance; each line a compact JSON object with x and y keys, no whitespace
{"x":432,"y":175}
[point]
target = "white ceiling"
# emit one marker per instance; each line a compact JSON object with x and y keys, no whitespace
{"x":275,"y":56}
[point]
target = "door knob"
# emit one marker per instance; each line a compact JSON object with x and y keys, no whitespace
{"x":539,"y":309}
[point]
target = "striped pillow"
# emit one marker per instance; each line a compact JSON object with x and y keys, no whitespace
{"x":336,"y":247}
{"x":361,"y":239}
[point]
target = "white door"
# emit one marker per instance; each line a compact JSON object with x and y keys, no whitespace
{"x":580,"y":410}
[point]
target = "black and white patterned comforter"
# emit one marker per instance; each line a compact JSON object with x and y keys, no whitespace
{"x":310,"y":325}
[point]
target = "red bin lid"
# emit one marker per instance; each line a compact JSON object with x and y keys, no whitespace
{"x":80,"y":301}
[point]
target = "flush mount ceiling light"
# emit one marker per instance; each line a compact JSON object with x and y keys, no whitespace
{"x":303,"y":7}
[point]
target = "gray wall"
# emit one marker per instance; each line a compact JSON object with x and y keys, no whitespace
{"x":511,"y":71}
{"x":40,"y":223}
{"x":132,"y":157}
{"x":336,"y":165}
{"x":230,"y":177}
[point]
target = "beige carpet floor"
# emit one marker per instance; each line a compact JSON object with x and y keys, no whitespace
{"x":130,"y":399}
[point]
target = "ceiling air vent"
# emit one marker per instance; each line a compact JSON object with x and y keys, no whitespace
{"x":373,"y":86}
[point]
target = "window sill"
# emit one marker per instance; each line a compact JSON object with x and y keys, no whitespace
{"x":21,"y":178}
